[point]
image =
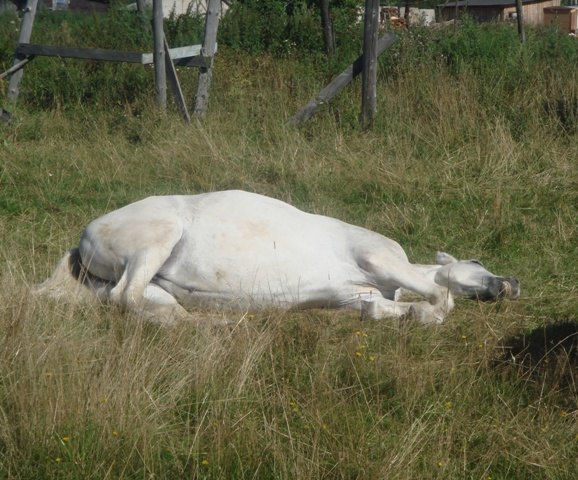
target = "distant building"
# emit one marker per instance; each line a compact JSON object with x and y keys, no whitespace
{"x":565,"y":18}
{"x":497,"y":10}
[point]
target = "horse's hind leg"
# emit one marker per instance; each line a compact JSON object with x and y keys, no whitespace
{"x":161,"y":307}
{"x":140,"y":268}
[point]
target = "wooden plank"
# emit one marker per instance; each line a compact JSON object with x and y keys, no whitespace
{"x":175,"y":85}
{"x":182,"y":55}
{"x":159,"y":55}
{"x":339,"y":83}
{"x":176,"y":53}
{"x":26,"y":49}
{"x":208,"y":51}
{"x":24,"y":37}
{"x":198,"y":62}
{"x":369,"y":73}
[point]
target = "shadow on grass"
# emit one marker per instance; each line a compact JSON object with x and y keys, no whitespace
{"x":545,"y":358}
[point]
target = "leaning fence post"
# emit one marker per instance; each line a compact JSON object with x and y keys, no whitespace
{"x":338,"y":83}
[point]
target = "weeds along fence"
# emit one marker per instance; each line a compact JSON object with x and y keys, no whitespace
{"x":488,"y":55}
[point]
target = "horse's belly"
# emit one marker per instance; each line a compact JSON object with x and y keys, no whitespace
{"x":264,"y":275}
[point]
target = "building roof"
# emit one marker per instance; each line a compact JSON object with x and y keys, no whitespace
{"x":487,"y":3}
{"x":561,"y":9}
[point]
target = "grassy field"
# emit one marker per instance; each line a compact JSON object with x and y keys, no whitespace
{"x":479,"y":169}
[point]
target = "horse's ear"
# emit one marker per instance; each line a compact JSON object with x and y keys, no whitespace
{"x":443,"y":258}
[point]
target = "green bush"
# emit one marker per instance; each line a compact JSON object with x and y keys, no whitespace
{"x":284,"y":27}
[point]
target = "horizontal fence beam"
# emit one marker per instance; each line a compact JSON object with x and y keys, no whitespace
{"x":84,"y":53}
{"x":183,"y":56}
{"x":176,"y":53}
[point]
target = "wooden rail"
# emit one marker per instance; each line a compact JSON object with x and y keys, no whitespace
{"x":176,"y":54}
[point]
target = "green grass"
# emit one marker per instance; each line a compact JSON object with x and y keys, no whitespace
{"x":88,"y":392}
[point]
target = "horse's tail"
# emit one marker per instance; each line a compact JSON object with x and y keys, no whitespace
{"x":70,"y":279}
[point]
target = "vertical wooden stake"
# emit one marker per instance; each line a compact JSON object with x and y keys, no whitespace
{"x":369,"y":80}
{"x":520,"y":20}
{"x":24,"y":37}
{"x":208,"y":52}
{"x":140,"y":6}
{"x":327,"y":27}
{"x":159,"y":55}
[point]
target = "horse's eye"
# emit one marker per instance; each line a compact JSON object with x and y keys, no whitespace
{"x":477,"y":262}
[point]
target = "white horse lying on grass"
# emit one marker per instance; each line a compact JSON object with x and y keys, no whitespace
{"x":235,"y":249}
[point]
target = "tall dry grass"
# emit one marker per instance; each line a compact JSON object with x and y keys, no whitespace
{"x":89,"y":392}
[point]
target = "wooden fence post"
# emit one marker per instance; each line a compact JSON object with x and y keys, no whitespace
{"x":369,"y":80}
{"x":140,"y":6}
{"x":327,"y":27}
{"x":24,"y":37}
{"x":159,"y":55}
{"x":207,"y":52}
{"x":520,"y":20}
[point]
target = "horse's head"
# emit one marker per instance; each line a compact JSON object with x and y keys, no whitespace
{"x":469,"y":278}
